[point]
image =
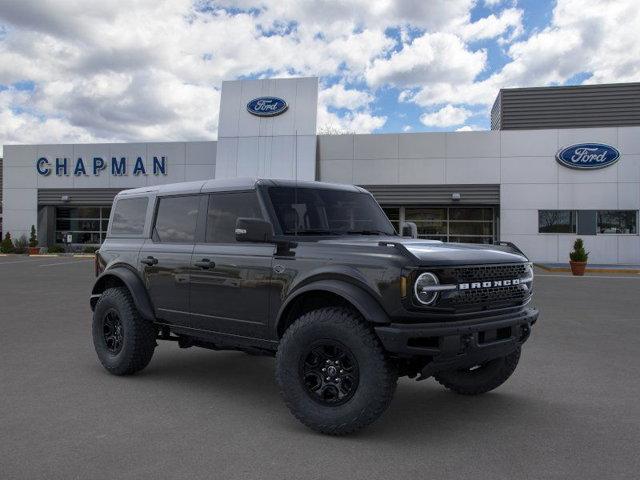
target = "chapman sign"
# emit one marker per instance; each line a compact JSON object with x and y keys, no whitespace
{"x":267,"y":106}
{"x":588,"y":156}
{"x":96,"y":165}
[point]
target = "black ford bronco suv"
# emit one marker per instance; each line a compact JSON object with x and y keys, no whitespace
{"x":315,"y":275}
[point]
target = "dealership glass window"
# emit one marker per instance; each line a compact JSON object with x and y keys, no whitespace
{"x":86,"y":225}
{"x":393,"y":214}
{"x":129,"y":216}
{"x":452,"y":224}
{"x":176,"y":219}
{"x":618,"y":221}
{"x":556,"y":221}
{"x":224,"y":209}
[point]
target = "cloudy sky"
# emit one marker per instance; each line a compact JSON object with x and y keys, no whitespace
{"x":82,"y":71}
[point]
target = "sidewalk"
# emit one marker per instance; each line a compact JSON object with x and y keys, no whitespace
{"x":591,"y":268}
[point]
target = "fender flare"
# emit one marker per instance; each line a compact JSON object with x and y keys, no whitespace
{"x":133,"y":283}
{"x":364,"y":302}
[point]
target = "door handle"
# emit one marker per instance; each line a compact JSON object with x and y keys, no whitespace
{"x":205,"y":264}
{"x":149,"y":260}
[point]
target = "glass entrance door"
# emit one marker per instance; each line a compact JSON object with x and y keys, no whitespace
{"x":86,"y":225}
{"x":448,"y":224}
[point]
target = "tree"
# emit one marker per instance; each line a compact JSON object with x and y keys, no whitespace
{"x":579,"y":254}
{"x":332,"y":129}
{"x":7,"y":244}
{"x":33,"y":238}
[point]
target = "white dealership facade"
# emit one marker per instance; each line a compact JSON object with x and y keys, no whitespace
{"x":455,"y":186}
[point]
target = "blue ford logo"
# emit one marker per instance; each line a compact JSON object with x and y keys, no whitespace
{"x":588,"y":156}
{"x":267,"y":106}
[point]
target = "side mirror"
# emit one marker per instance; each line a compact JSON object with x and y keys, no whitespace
{"x":409,"y":229}
{"x":254,"y":230}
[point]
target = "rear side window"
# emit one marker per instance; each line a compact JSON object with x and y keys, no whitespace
{"x":224,"y":210}
{"x":129,"y":215}
{"x":176,"y":219}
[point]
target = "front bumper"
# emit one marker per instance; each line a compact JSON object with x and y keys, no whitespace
{"x":458,"y":344}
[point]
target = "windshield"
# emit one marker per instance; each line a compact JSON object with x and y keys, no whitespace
{"x":310,"y":211}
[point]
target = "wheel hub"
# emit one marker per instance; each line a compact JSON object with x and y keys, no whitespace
{"x":112,"y":332}
{"x":329,"y":372}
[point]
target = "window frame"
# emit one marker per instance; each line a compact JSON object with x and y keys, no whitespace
{"x":156,"y":239}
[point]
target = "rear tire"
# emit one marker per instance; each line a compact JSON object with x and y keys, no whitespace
{"x":482,"y":378}
{"x":123,"y":340}
{"x":357,"y":383}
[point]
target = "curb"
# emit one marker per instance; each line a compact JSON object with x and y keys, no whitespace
{"x":589,"y":269}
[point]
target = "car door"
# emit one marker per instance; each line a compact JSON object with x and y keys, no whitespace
{"x":230,"y":281}
{"x":165,"y":259}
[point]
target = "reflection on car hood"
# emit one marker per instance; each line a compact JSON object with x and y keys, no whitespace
{"x":434,"y":252}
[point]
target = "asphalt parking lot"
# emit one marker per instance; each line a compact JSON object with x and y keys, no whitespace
{"x":571,"y":410}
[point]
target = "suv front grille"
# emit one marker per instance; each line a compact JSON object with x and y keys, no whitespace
{"x":486,"y":296}
{"x":487,"y":272}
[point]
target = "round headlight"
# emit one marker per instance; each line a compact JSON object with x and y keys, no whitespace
{"x":423,"y":293}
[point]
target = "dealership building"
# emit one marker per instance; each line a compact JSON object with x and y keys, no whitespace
{"x":559,"y":163}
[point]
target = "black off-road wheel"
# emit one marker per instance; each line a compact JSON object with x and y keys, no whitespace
{"x":123,"y":340}
{"x":480,"y":378}
{"x":333,"y":373}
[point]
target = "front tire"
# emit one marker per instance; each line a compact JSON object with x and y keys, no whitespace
{"x":333,"y":373}
{"x":480,"y":378}
{"x":123,"y":340}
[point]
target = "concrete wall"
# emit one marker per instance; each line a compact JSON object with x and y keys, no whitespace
{"x":21,"y":181}
{"x":283,"y":146}
{"x":522,"y":162}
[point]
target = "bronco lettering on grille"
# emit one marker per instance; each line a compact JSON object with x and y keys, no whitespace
{"x":488,"y":284}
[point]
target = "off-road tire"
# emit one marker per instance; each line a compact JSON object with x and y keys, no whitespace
{"x":138,"y":334}
{"x":485,"y":378}
{"x":377,"y":375}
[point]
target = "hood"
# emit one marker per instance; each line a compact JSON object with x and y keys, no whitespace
{"x":434,"y":252}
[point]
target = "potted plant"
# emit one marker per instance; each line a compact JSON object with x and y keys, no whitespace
{"x":578,"y":258}
{"x":7,"y":244}
{"x":33,"y":242}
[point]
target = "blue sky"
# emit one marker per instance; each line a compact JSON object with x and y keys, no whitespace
{"x":78,"y":71}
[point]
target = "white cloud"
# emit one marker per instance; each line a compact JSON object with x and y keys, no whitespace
{"x":351,"y":122}
{"x":152,"y":70}
{"x":432,"y":57}
{"x":469,"y":128}
{"x":447,"y":116}
{"x":338,"y":96}
{"x":509,"y":20}
{"x":585,"y":36}
{"x":492,"y":3}
{"x":407,"y":128}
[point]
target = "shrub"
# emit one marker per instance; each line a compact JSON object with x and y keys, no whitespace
{"x":56,"y":249}
{"x":579,"y":254}
{"x":7,"y":244}
{"x":20,"y":245}
{"x":89,"y":249}
{"x":33,"y":238}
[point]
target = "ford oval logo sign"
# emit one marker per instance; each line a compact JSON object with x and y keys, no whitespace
{"x":267,"y":106}
{"x":588,"y":156}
